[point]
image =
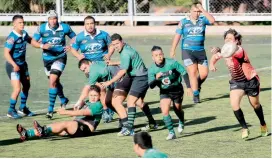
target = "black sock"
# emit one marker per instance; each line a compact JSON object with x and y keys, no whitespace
{"x":131,"y":117}
{"x":240,"y":117}
{"x":200,"y":81}
{"x":179,"y":113}
{"x":148,"y":114}
{"x":259,"y":113}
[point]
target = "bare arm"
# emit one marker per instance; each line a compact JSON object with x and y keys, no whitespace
{"x":213,"y":60}
{"x":113,"y":63}
{"x":76,"y":54}
{"x":8,"y":57}
{"x":206,"y":14}
{"x":39,"y":45}
{"x":118,"y":76}
{"x":174,"y":45}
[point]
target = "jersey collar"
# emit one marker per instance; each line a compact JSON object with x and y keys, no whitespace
{"x":88,"y":34}
{"x":19,"y":35}
{"x":48,"y":28}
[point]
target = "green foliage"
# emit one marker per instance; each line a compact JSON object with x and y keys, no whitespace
{"x":184,"y":3}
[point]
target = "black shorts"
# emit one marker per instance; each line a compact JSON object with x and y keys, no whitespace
{"x":175,"y":95}
{"x":57,"y":65}
{"x":139,"y":86}
{"x":251,"y":87}
{"x":124,"y":84}
{"x":190,"y":57}
{"x":21,"y":74}
{"x":82,"y":130}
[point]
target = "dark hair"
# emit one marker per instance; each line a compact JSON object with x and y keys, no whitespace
{"x":17,"y":17}
{"x":95,"y":88}
{"x":194,"y":3}
{"x":154,"y":48}
{"x":143,"y":139}
{"x":83,"y":61}
{"x":89,"y":17}
{"x":116,"y":36}
{"x":236,"y":35}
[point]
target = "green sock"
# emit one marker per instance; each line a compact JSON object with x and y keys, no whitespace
{"x":131,"y":116}
{"x":30,"y":133}
{"x":48,"y":130}
{"x":168,"y":123}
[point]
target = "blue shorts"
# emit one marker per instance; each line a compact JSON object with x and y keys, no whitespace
{"x":21,"y":74}
{"x":190,"y":57}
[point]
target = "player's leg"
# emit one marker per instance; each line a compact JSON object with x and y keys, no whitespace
{"x":252,"y":91}
{"x":191,"y":67}
{"x":203,"y":69}
{"x":25,"y":80}
{"x":236,"y":95}
{"x":16,"y":88}
{"x":165,"y":103}
{"x":63,"y":100}
{"x":177,"y":99}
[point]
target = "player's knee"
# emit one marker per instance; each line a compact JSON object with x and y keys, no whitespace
{"x":256,"y":105}
{"x":55,"y":72}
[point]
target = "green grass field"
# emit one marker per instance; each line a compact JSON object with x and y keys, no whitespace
{"x":211,"y":127}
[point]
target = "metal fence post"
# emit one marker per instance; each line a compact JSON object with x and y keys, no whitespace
{"x":205,"y":4}
{"x":130,"y":12}
{"x":58,"y":9}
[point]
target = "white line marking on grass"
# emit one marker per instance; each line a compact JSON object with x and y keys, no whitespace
{"x":71,"y":105}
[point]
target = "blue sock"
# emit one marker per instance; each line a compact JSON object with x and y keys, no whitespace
{"x":60,"y":93}
{"x":196,"y":93}
{"x":52,"y":98}
{"x":12,"y":104}
{"x":24,"y":96}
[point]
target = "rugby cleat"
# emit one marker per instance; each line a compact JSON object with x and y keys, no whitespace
{"x":171,"y":136}
{"x":22,"y":131}
{"x":125,"y":132}
{"x":26,"y":112}
{"x":149,"y":127}
{"x":245,"y":133}
{"x":264,"y":130}
{"x":13,"y":114}
{"x":49,"y":115}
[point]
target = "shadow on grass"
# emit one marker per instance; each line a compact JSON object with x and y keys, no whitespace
{"x":256,"y":137}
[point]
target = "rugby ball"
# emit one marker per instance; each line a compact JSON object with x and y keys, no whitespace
{"x":228,"y":49}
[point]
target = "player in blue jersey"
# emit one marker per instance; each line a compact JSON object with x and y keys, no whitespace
{"x":55,"y":58}
{"x":93,"y":43}
{"x":16,"y":66}
{"x":192,"y":29}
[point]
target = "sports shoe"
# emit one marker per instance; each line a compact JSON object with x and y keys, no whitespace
{"x":22,"y":131}
{"x":196,"y":99}
{"x":264,"y":130}
{"x":245,"y":133}
{"x":171,"y":136}
{"x":63,"y":105}
{"x":39,"y":129}
{"x":49,"y":115}
{"x":12,"y":113}
{"x":180,"y":128}
{"x":26,"y":112}
{"x":149,"y":127}
{"x":125,"y":132}
{"x":106,"y":116}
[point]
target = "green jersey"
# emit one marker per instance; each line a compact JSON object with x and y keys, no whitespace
{"x":153,"y":153}
{"x":171,"y":74}
{"x":96,"y":110}
{"x":132,"y":62}
{"x":101,"y":72}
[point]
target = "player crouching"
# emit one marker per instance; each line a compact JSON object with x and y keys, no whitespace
{"x":244,"y":78}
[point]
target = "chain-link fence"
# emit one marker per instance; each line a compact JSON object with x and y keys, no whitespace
{"x":239,"y":6}
{"x":95,"y":7}
{"x":26,"y":6}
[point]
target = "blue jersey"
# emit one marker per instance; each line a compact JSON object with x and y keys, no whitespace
{"x":16,"y":43}
{"x":93,"y":48}
{"x":54,"y":37}
{"x":193,"y":35}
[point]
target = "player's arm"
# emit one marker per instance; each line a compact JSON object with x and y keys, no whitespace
{"x":113,"y":63}
{"x":81,"y":112}
{"x":9,"y":44}
{"x":239,"y":53}
{"x":183,"y":72}
{"x":110,"y":48}
{"x":118,"y":76}
{"x":74,"y":48}
{"x":38,"y":45}
{"x":206,"y":14}
{"x":83,"y":95}
{"x":176,"y":40}
{"x":213,"y":61}
{"x":152,"y":81}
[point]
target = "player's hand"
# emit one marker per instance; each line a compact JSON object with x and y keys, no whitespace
{"x":215,"y":50}
{"x":212,"y":68}
{"x":16,"y":68}
{"x":81,"y":56}
{"x":106,"y":57}
{"x":67,"y":48}
{"x":78,"y":105}
{"x":47,"y":46}
{"x":61,"y":111}
{"x":200,"y":7}
{"x":158,"y":75}
{"x":105,"y":84}
{"x":189,"y":92}
{"x":172,"y":55}
{"x":109,"y":62}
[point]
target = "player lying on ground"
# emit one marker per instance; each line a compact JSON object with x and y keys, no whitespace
{"x":112,"y":96}
{"x":16,"y":66}
{"x":244,"y":80}
{"x":132,"y":64}
{"x":166,"y":74}
{"x":83,"y":125}
{"x":143,"y":146}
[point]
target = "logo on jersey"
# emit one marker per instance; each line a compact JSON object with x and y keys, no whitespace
{"x":10,"y":40}
{"x":195,"y":30}
{"x":54,"y":41}
{"x":61,"y":34}
{"x":92,"y":48}
{"x":19,"y":41}
{"x":166,"y":81}
{"x":84,"y":41}
{"x":46,"y":34}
